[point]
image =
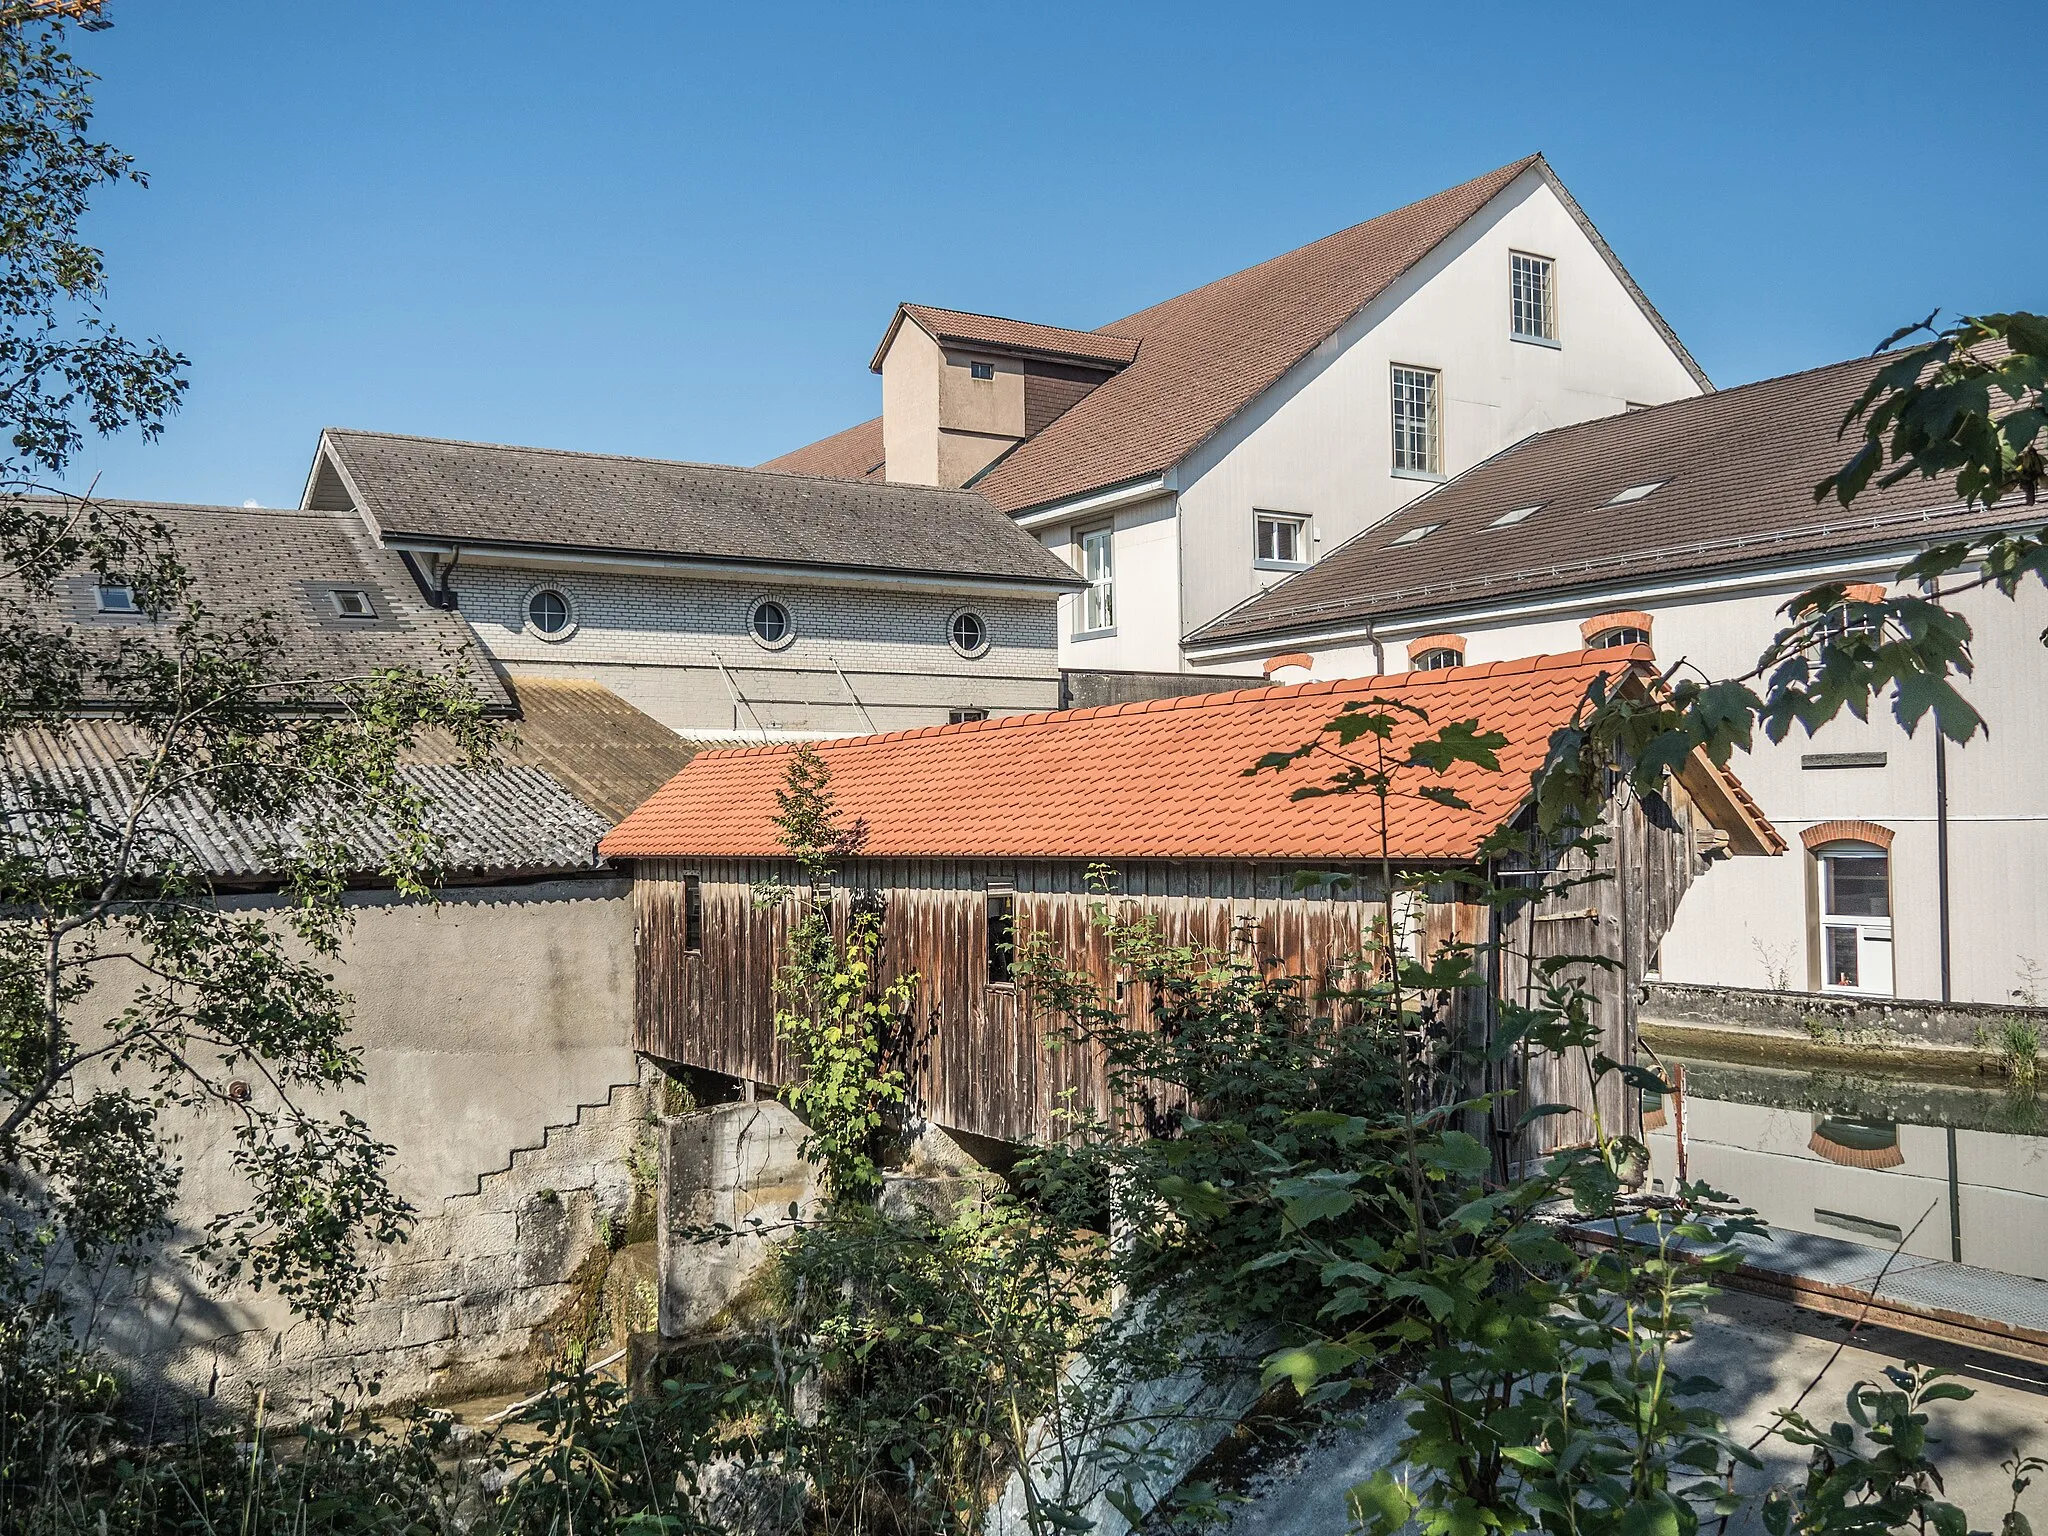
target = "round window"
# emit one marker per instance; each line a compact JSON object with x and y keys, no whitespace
{"x":969,"y":634}
{"x":769,"y":623}
{"x":547,"y":611}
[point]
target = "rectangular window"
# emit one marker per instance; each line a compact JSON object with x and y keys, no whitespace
{"x":1532,"y":298}
{"x":1417,"y":440}
{"x":1098,"y":568}
{"x":351,"y":603}
{"x":981,"y":370}
{"x":1282,"y":540}
{"x":1002,"y":939}
{"x":962,"y":716}
{"x":116,"y":600}
{"x":1856,"y":919}
{"x":693,"y":914}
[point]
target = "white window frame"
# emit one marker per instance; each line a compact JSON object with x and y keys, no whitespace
{"x":1867,"y":931}
{"x":340,"y":596}
{"x":1418,"y":447}
{"x":1096,"y":559}
{"x":1544,"y":298}
{"x":1299,"y":535}
{"x":124,"y":605}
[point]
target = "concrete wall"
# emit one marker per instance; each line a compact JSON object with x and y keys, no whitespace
{"x":735,"y":1167}
{"x":493,"y":1030}
{"x":1749,"y":927}
{"x":658,"y":641}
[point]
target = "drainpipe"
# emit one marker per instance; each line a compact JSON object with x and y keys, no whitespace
{"x":1379,"y":651}
{"x":1941,"y":854}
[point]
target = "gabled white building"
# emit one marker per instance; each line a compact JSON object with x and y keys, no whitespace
{"x":1187,"y":456}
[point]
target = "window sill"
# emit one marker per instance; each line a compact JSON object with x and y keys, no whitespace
{"x":1536,"y":341}
{"x":1418,"y":474}
{"x":1280,"y":565}
{"x":1094,"y":634}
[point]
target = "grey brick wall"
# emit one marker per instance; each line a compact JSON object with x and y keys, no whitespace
{"x":660,"y":642}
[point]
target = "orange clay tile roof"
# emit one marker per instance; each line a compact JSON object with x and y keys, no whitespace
{"x":1161,"y":779}
{"x":1206,"y":355}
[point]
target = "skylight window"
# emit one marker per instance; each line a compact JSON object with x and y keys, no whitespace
{"x":1634,"y":493}
{"x":1417,"y":535}
{"x":114,"y":599}
{"x":353,"y":603}
{"x":1519,"y":515}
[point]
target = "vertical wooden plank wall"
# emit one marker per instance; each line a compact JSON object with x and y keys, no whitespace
{"x":989,"y":1065}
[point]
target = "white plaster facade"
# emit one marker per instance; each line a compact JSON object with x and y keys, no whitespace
{"x":1319,"y":443}
{"x":1757,"y":923}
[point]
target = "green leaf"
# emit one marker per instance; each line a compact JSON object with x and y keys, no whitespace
{"x":1380,"y":1506}
{"x":1648,"y":1518}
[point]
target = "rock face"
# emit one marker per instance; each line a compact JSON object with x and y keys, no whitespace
{"x":736,"y":1167}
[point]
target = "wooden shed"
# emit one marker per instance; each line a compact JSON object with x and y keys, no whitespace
{"x":991,"y":826}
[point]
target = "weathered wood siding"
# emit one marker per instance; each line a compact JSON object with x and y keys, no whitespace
{"x":989,"y":1065}
{"x":1648,"y":862}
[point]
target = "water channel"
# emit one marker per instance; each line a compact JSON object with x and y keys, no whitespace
{"x":1956,"y":1170}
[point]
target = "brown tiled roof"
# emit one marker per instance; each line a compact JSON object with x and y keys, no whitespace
{"x":855,"y":454}
{"x":1162,"y":779}
{"x":434,"y":489}
{"x":609,"y":754}
{"x":1734,"y":473}
{"x":1010,"y":336}
{"x":1206,"y":355}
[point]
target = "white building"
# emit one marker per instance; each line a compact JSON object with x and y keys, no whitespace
{"x":1915,"y":869}
{"x":720,"y":601}
{"x":1186,"y":456}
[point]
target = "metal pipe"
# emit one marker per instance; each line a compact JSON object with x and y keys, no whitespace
{"x":1955,"y":1202}
{"x":1941,"y":856}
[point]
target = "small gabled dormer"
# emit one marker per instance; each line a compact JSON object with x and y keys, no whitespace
{"x":959,"y":391}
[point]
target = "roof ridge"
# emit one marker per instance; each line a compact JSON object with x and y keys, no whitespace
{"x":1514,"y":166}
{"x":191,"y":506}
{"x":1042,"y":325}
{"x":835,"y":481}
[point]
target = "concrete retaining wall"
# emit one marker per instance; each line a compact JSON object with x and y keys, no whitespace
{"x":1907,"y":1020}
{"x":494,"y":1033}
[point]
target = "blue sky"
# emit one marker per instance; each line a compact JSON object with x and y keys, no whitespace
{"x":679,"y":229}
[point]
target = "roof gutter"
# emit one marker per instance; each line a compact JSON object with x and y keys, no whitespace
{"x":787,"y":573}
{"x":1096,"y":501}
{"x":1883,"y":559}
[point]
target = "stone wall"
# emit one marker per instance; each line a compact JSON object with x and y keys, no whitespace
{"x":1810,"y":1014}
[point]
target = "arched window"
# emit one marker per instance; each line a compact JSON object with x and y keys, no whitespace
{"x":1619,"y":636}
{"x":1611,"y":631}
{"x":1856,"y":1142}
{"x":1432,"y":653}
{"x":1854,"y":881}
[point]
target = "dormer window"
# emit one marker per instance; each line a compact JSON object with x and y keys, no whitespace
{"x":352,"y":603}
{"x":116,"y":600}
{"x":981,"y":370}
